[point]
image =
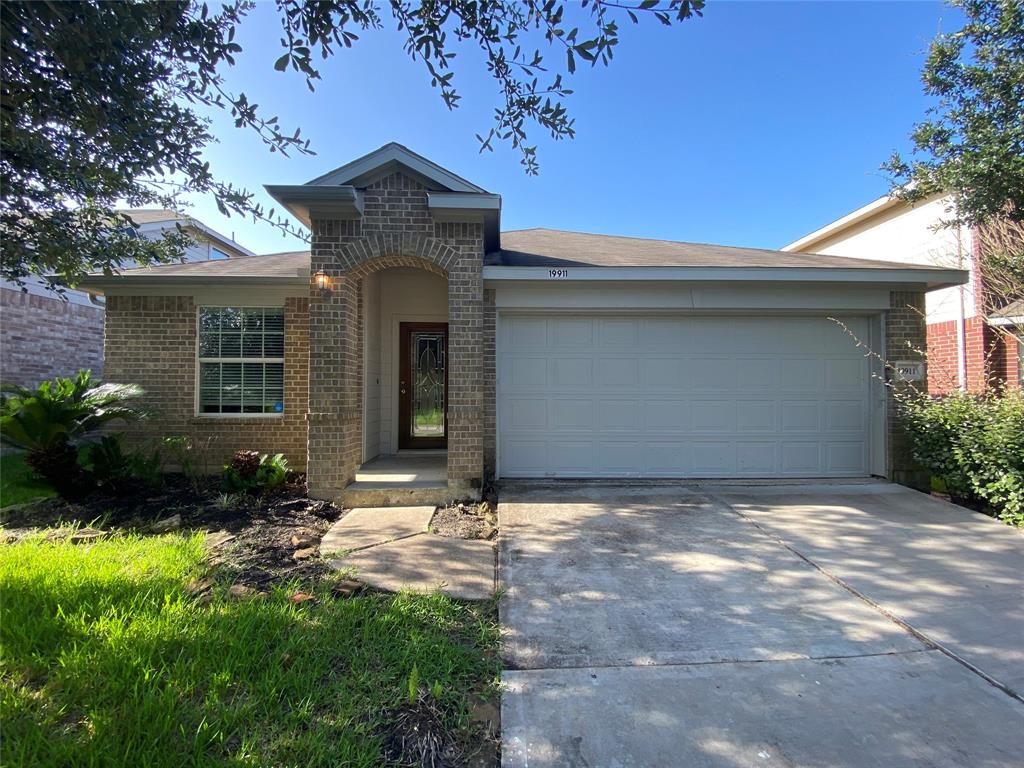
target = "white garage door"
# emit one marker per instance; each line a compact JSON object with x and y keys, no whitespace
{"x":681,"y":396}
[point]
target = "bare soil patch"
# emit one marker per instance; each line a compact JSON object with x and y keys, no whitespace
{"x":466,"y":521}
{"x":255,"y":539}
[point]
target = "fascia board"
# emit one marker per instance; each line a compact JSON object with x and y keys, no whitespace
{"x":932,"y":278}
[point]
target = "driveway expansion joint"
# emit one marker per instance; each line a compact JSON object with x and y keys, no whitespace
{"x":928,"y":641}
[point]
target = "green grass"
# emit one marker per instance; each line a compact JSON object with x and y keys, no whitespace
{"x":18,"y":483}
{"x":108,"y":662}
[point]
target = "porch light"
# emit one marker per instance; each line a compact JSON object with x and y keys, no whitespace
{"x":323,"y":282}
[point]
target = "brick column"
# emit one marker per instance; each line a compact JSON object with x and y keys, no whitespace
{"x":906,"y":338}
{"x":333,"y":370}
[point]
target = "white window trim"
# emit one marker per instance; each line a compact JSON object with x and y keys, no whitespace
{"x":198,"y":360}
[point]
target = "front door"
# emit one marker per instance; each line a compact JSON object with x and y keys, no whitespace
{"x":423,"y":385}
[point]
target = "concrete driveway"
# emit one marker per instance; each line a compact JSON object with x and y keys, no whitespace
{"x":858,"y":624}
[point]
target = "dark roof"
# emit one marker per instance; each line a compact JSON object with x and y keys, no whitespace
{"x":555,"y":248}
{"x":272,"y":265}
{"x":1013,"y":309}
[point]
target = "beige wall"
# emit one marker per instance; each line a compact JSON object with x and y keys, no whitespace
{"x":909,"y":234}
{"x":371,"y":365}
{"x":406,"y":295}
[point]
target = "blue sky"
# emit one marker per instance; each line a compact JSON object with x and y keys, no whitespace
{"x":751,"y":126}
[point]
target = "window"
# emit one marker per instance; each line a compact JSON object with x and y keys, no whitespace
{"x":241,"y":360}
{"x":217,"y":253}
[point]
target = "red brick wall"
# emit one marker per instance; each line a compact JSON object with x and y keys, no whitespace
{"x":42,"y":337}
{"x":991,"y":357}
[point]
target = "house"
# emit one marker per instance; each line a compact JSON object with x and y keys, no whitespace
{"x":416,"y":333}
{"x":968,"y":345}
{"x":43,"y":335}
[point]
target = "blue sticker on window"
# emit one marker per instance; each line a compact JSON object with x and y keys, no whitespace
{"x":278,"y":407}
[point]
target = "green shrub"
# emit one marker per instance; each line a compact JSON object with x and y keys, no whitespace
{"x":974,"y":444}
{"x":192,"y":457}
{"x":249,"y":472}
{"x":47,"y":422}
{"x":111,"y":466}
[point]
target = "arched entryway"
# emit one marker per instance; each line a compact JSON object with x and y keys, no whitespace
{"x":389,"y":298}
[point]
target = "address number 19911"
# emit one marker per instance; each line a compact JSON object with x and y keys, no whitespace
{"x":555,"y":274}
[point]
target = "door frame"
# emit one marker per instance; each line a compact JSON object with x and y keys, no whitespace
{"x":405,"y":440}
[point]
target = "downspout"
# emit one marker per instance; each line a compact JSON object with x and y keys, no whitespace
{"x":961,"y":323}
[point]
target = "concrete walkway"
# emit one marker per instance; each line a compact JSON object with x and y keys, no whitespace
{"x":390,"y":548}
{"x":671,"y":626}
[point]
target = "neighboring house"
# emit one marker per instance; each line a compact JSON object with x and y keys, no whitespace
{"x":966,"y":349}
{"x":43,"y":335}
{"x":416,"y":326}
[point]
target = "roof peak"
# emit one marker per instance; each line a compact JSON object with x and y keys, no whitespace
{"x":384,"y":159}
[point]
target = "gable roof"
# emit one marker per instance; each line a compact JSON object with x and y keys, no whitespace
{"x":555,"y":248}
{"x":285,"y":267}
{"x":145,"y":217}
{"x":388,"y":158}
{"x":151,"y":215}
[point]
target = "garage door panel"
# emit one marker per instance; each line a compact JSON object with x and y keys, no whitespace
{"x":617,"y":371}
{"x":619,"y":458}
{"x":714,"y":373}
{"x":799,"y":458}
{"x":573,"y":458}
{"x":801,"y":373}
{"x":714,"y":416}
{"x":758,"y":373}
{"x":528,"y":372}
{"x":572,"y":415}
{"x":617,"y":395}
{"x":664,"y":373}
{"x":711,"y":458}
{"x":619,"y":414}
{"x":757,"y":415}
{"x":526,"y":332}
{"x":527,"y":413}
{"x":801,"y":416}
{"x":572,"y":372}
{"x":757,"y":459}
{"x":618,"y":332}
{"x":572,"y":332}
{"x":845,"y":456}
{"x":672,"y":416}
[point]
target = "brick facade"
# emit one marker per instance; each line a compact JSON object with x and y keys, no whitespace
{"x":42,"y":337}
{"x":151,"y":341}
{"x":991,"y":357}
{"x":396,"y":230}
{"x":906,"y":338}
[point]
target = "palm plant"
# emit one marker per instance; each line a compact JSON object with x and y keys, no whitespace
{"x":47,"y":422}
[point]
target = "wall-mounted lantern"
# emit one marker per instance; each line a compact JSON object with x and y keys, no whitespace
{"x":322,"y":281}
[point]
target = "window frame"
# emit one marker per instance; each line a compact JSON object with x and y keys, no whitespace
{"x":197,"y":407}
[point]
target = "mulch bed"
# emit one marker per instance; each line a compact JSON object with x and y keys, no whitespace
{"x":255,"y":538}
{"x":462,"y":521}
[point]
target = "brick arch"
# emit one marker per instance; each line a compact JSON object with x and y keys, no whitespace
{"x":359,"y":258}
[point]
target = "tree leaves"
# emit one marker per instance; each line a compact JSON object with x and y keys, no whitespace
{"x":971,"y":145}
{"x":99,"y":103}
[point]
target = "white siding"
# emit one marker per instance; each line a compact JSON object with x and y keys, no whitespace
{"x":911,"y":235}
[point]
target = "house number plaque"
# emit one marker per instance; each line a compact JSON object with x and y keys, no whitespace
{"x":909,"y":370}
{"x":555,"y":274}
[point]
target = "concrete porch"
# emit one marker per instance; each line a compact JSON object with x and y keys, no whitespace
{"x":401,"y":479}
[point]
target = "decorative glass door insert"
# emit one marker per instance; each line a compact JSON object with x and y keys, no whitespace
{"x":423,"y":385}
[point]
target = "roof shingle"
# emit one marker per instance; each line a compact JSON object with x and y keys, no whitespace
{"x":556,"y":248}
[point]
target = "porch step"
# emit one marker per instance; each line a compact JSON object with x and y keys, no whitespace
{"x":403,"y":494}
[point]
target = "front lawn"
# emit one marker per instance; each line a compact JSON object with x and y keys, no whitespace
{"x":18,"y":483}
{"x":109,"y":660}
